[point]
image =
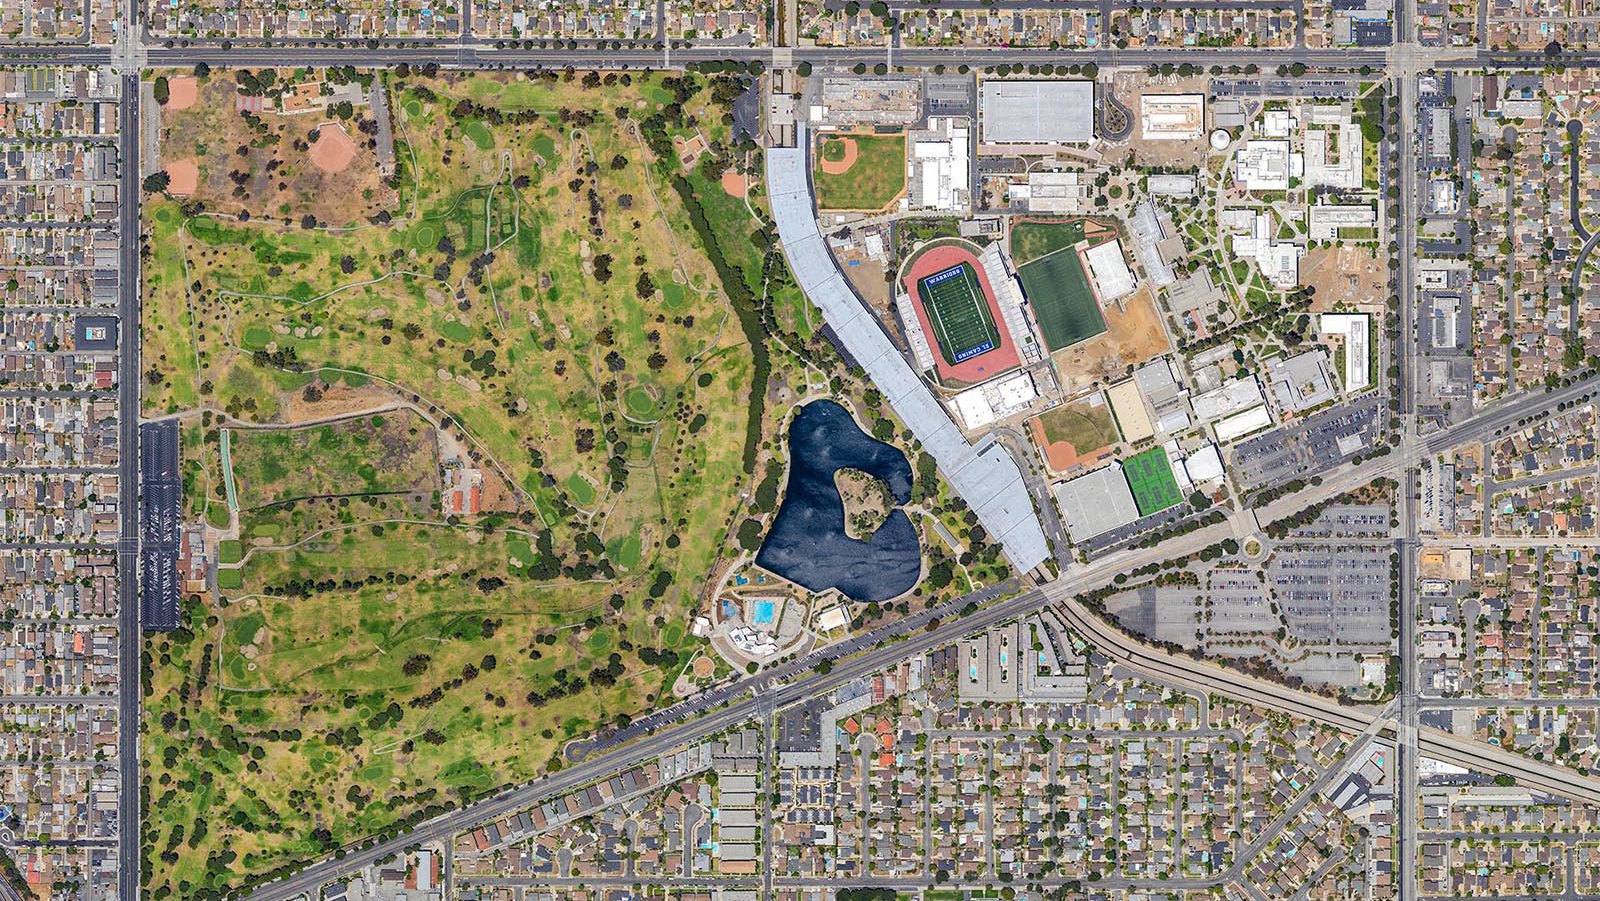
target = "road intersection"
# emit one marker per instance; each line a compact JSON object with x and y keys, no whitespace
{"x":760,"y":695}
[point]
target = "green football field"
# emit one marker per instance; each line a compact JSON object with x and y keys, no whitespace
{"x":958,"y":313}
{"x":1151,"y":480}
{"x":1062,"y":300}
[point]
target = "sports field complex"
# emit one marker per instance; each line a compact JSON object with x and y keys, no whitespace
{"x":1151,"y":480}
{"x":962,"y":326}
{"x":1118,"y":495}
{"x":1057,"y":286}
{"x":956,"y":307}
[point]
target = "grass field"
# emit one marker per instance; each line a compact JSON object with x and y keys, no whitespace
{"x":1062,"y":300}
{"x":878,"y":176}
{"x":382,"y":454}
{"x":962,"y":324}
{"x":485,"y":305}
{"x":1150,"y":478}
{"x":1031,"y":240}
{"x":1084,"y":427}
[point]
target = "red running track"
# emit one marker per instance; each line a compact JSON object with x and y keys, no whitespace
{"x":986,"y":365}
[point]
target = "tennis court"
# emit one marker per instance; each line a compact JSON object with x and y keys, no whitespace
{"x":1062,"y":300}
{"x":958,"y":313}
{"x":1150,"y":479}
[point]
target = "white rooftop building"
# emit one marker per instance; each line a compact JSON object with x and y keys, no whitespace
{"x":1108,"y":268}
{"x":995,"y":400}
{"x":1278,"y":123}
{"x":1279,"y":261}
{"x":1171,"y":185}
{"x":1204,"y":465}
{"x":1172,"y":117}
{"x":915,"y":336}
{"x":1264,"y":166}
{"x":1241,"y":424}
{"x":1302,"y":381}
{"x":1054,"y":192}
{"x":1355,"y":328}
{"x":940,"y":166}
{"x":1036,"y":111}
{"x":1326,"y":219}
{"x":1239,"y":394}
{"x":1146,"y":230}
{"x":1096,"y":503}
{"x":1334,"y":156}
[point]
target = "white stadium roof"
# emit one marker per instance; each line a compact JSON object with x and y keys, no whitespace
{"x":987,"y":477}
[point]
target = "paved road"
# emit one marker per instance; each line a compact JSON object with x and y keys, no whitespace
{"x":128,"y":377}
{"x":486,"y":55}
{"x":1408,"y":359}
{"x":798,"y":680}
{"x":749,"y":696}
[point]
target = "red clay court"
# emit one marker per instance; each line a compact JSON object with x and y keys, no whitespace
{"x":985,"y":365}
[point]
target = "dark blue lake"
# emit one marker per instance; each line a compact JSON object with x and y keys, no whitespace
{"x":808,"y":544}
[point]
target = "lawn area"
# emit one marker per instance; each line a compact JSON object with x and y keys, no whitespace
{"x":962,"y":325}
{"x":377,"y":658}
{"x":1032,"y":238}
{"x":877,"y":176}
{"x":1062,"y":300}
{"x":388,"y":453}
{"x":1150,"y":478}
{"x":1084,"y":427}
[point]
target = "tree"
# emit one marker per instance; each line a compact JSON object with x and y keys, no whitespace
{"x":162,"y":90}
{"x":156,"y":182}
{"x":750,"y":535}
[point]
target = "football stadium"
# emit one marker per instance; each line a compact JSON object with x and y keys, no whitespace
{"x":958,"y":313}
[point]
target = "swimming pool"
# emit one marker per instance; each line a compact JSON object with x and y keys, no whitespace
{"x":765,"y":611}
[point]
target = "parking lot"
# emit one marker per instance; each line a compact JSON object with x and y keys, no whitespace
{"x":1349,"y":521}
{"x":1333,"y":594}
{"x":1239,"y":602}
{"x":1308,"y":448}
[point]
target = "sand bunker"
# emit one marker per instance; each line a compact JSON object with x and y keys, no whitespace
{"x":842,"y":165}
{"x":333,"y":151}
{"x":183,"y":177}
{"x":182,"y":92}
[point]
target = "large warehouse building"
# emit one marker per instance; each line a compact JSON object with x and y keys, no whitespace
{"x":1036,"y":112}
{"x":1096,"y":503}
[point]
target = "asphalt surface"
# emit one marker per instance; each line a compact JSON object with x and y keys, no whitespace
{"x":129,"y":635}
{"x":798,"y":680}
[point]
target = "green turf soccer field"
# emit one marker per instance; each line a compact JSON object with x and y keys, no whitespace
{"x":958,"y":312}
{"x":1150,"y":479}
{"x":1062,"y":300}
